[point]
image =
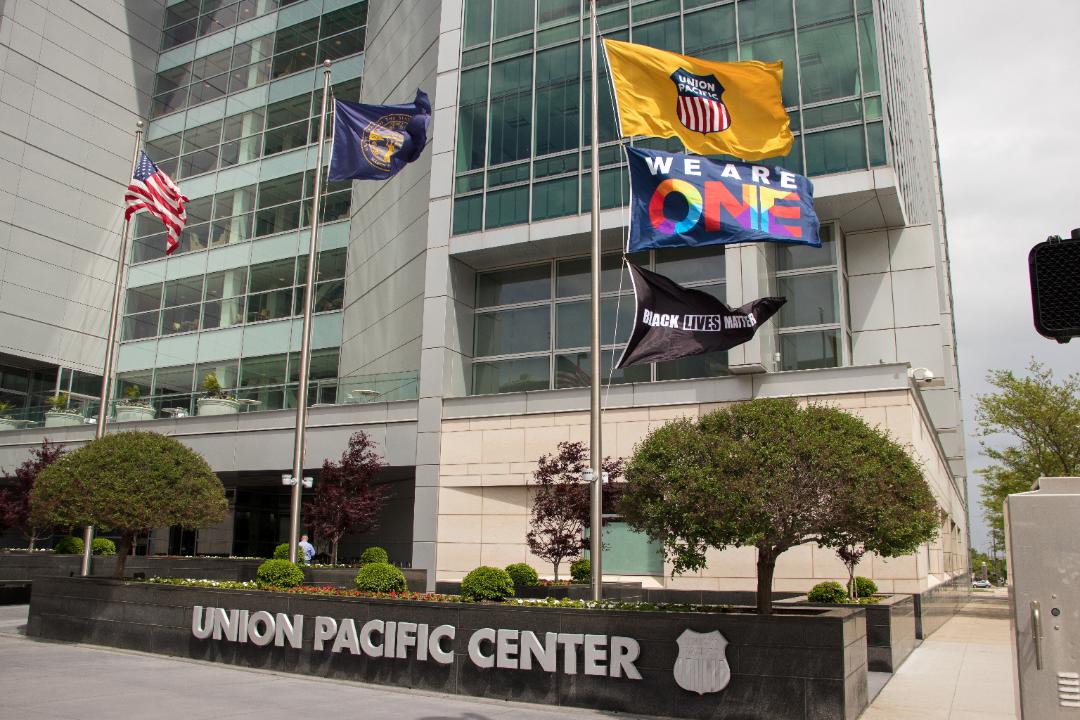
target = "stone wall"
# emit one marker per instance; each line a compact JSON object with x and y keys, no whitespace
{"x":487,"y":463}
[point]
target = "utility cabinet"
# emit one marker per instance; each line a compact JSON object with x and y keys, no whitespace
{"x":1042,"y":545}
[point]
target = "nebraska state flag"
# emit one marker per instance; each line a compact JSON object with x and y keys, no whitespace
{"x":713,"y":107}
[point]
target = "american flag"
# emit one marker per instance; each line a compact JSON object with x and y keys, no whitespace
{"x":155,"y":192}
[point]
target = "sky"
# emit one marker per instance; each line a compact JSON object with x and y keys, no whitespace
{"x":1007,"y":99}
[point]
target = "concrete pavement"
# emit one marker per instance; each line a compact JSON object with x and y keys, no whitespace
{"x":962,"y":672}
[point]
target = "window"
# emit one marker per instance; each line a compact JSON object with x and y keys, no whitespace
{"x":267,"y":291}
{"x":831,"y":88}
{"x":291,"y":49}
{"x":810,"y":323}
{"x":532,"y":323}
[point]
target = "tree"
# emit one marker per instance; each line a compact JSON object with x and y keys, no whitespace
{"x":772,"y":475}
{"x":345,"y":498}
{"x":561,"y":506}
{"x":129,"y":482}
{"x":15,"y":499}
{"x":1044,"y":416}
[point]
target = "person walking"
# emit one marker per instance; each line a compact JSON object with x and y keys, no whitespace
{"x":307,"y":548}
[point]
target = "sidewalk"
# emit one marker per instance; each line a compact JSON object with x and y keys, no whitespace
{"x":962,"y":672}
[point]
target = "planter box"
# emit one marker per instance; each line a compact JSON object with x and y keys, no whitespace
{"x":934,"y":607}
{"x":346,"y":577}
{"x":628,"y":591}
{"x":218,"y":406}
{"x":56,"y":418}
{"x":131,"y":413}
{"x":890,"y":629}
{"x":32,"y":566}
{"x":805,"y":663}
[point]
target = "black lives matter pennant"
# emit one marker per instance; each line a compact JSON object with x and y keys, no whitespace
{"x":671,"y":321}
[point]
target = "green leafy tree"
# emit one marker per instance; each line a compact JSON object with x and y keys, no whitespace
{"x":128,"y":482}
{"x":1043,"y":415}
{"x":772,"y":475}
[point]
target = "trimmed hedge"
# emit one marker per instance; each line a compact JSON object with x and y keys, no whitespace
{"x":69,"y":545}
{"x":280,"y":573}
{"x":374,"y":555}
{"x":829,"y":591}
{"x":523,"y":575}
{"x":103,"y":546}
{"x":864,"y":586}
{"x":380,"y":577}
{"x":487,"y":583}
{"x":581,"y":570}
{"x":281,"y":552}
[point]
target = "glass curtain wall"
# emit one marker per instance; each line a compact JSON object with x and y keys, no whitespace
{"x":521,"y":129}
{"x":532,"y":322}
{"x":265,"y":291}
{"x":289,"y":50}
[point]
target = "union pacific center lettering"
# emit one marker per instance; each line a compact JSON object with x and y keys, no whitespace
{"x":509,"y":649}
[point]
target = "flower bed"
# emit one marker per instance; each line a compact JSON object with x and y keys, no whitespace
{"x":801,"y":663}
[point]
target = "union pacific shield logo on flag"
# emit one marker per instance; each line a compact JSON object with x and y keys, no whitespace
{"x":699,"y":106}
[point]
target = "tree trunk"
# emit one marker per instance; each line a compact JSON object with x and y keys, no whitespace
{"x":556,"y":566}
{"x":333,"y":551}
{"x":851,"y":581}
{"x":766,"y":564}
{"x":127,"y":540}
{"x":33,"y":539}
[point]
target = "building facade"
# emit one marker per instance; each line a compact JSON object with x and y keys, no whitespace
{"x":451,"y":303}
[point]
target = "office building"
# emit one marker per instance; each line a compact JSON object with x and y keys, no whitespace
{"x":451,"y":301}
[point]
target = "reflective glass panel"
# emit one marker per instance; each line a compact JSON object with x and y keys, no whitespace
{"x":809,"y":350}
{"x":798,"y":257}
{"x":575,"y":370}
{"x":712,"y":364}
{"x":829,"y":64}
{"x":516,"y":375}
{"x":513,"y":331}
{"x":811,"y":299}
{"x":515,"y":285}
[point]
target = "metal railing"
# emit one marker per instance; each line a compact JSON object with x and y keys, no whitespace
{"x":385,"y":387}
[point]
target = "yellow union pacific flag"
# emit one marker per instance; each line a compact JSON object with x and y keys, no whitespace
{"x":713,"y":107}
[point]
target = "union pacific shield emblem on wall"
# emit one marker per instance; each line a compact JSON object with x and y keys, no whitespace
{"x":701,"y":666}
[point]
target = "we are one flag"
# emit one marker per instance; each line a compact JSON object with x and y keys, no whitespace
{"x":687,"y":200}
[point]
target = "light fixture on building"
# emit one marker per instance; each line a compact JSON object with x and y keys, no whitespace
{"x":287,"y":479}
{"x":925,"y":377}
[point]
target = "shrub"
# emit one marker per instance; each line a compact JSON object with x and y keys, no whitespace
{"x":374,"y":555}
{"x":829,"y":591}
{"x":281,"y":552}
{"x":103,"y":546}
{"x":864,"y":586}
{"x":380,"y":577}
{"x":280,"y":573}
{"x":581,"y":570}
{"x":487,"y":583}
{"x":523,"y":575}
{"x":69,"y":545}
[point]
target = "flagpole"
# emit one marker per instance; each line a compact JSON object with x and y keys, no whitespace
{"x":305,"y":344}
{"x":597,"y":488}
{"x":110,"y":345}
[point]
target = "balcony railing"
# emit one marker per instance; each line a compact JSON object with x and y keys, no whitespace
{"x":386,"y":387}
